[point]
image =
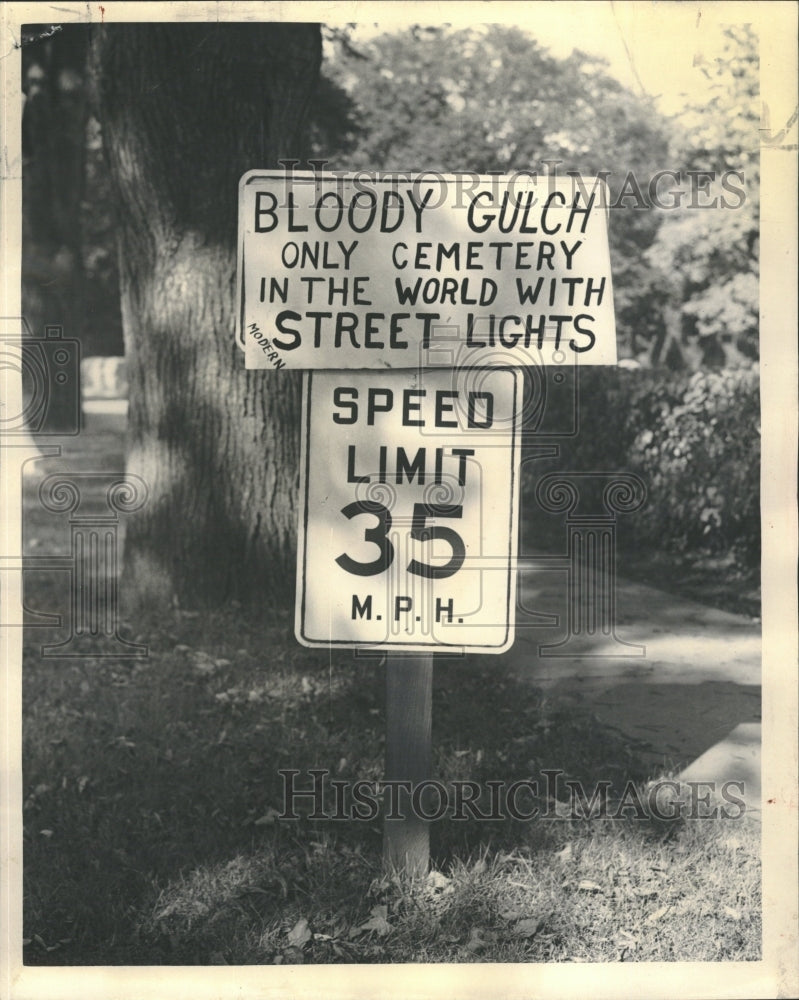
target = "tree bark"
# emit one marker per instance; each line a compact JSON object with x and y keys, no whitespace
{"x":185,"y":110}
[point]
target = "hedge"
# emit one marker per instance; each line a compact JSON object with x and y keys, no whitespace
{"x":693,"y":438}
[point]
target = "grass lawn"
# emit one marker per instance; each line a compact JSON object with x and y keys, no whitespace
{"x":152,"y":829}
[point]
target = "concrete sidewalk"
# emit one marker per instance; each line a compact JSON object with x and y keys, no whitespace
{"x":688,"y":686}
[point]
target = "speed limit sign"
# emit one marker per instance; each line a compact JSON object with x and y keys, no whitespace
{"x":408,"y":519}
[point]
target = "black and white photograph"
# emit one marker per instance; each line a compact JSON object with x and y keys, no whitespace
{"x":398,"y":522}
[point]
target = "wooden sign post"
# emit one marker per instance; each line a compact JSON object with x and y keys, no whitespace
{"x":409,"y":717}
{"x":413,"y":302}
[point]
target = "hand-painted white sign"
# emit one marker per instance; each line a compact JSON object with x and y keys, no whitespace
{"x":402,"y":271}
{"x":408,"y":520}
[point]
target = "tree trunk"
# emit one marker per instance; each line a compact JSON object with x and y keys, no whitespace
{"x":667,"y":346}
{"x":185,"y":110}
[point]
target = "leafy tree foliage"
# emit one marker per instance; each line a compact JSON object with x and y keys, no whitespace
{"x":714,"y":251}
{"x":490,"y":98}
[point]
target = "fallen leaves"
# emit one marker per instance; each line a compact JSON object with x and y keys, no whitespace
{"x":300,"y":934}
{"x":377,"y":923}
{"x":528,"y":927}
{"x":480,"y":938}
{"x":341,"y":938}
{"x":268,"y":818}
{"x":437,"y":888}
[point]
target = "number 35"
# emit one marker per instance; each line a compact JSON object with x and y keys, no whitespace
{"x":420,"y":531}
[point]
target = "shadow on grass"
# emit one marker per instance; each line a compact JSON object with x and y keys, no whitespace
{"x":153,"y":796}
